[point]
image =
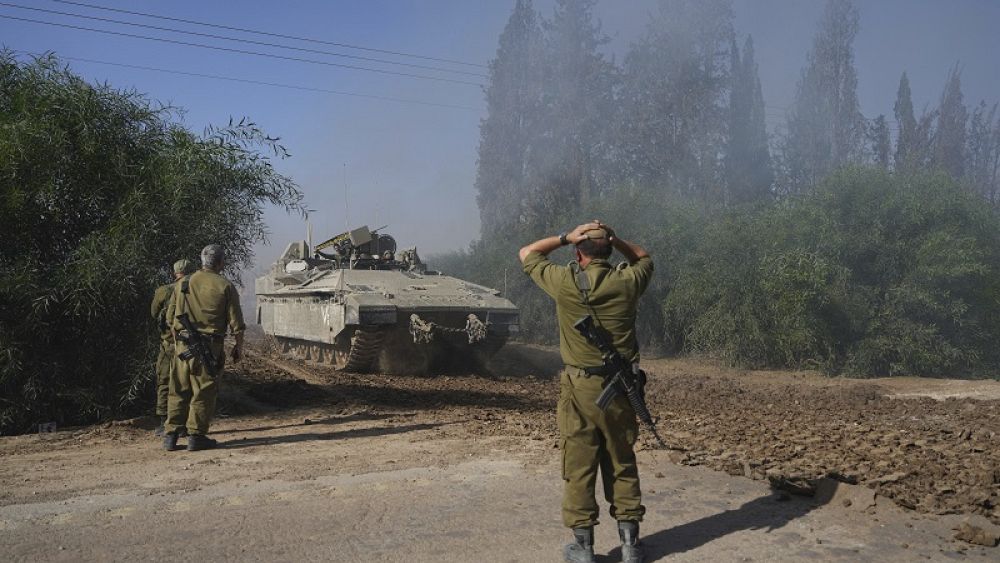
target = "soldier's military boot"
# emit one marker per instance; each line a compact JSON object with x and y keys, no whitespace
{"x":160,"y":429}
{"x":631,"y":548}
{"x":200,"y":442}
{"x":581,"y":550}
{"x":170,"y":441}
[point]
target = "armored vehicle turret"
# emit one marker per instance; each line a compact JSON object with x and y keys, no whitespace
{"x":357,"y":302}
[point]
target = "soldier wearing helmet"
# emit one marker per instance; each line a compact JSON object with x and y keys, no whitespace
{"x":165,"y":357}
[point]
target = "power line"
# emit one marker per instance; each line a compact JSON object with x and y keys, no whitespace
{"x":270,"y":34}
{"x":241,"y":51}
{"x":238,"y":40}
{"x":265,"y":83}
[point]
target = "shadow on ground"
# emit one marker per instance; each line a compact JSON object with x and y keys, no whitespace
{"x":329,"y":420}
{"x":335,"y":435}
{"x":766,"y":512}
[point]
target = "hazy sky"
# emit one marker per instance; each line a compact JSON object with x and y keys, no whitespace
{"x":413,"y":166}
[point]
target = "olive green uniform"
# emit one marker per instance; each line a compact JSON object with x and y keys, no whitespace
{"x":165,"y":359}
{"x":213,"y":304}
{"x":589,"y":437}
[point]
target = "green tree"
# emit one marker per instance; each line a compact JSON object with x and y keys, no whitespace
{"x":825,"y":125}
{"x":948,"y":151}
{"x":577,"y":102}
{"x":509,"y":135}
{"x":912,"y":144}
{"x":747,"y":156}
{"x":881,"y":144}
{"x":676,"y":80}
{"x":983,"y":166}
{"x":101,"y":190}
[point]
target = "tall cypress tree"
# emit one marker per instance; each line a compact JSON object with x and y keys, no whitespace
{"x":747,"y":157}
{"x":577,"y":100}
{"x":508,"y":133}
{"x":881,"y":144}
{"x":949,"y":138}
{"x":825,"y":125}
{"x":903,"y":110}
{"x":983,"y":163}
{"x":913,"y":145}
{"x":676,"y":81}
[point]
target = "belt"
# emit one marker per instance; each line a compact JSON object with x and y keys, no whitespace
{"x":212,"y":335}
{"x":603,"y":371}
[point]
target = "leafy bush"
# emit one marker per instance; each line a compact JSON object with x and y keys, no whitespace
{"x":873,"y":274}
{"x":100,"y":191}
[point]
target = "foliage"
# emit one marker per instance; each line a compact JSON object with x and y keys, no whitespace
{"x":508,"y":136}
{"x":747,"y":158}
{"x":760,"y":261}
{"x":872,"y":274}
{"x":983,"y":164}
{"x":948,"y":149}
{"x":825,"y":125}
{"x":675,"y":84}
{"x":102,"y":190}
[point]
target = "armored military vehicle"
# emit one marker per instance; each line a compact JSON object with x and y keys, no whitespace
{"x":358,"y":303}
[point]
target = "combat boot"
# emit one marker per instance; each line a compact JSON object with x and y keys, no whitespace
{"x":581,"y":550}
{"x":160,"y":429}
{"x":200,"y":442}
{"x":631,"y":548}
{"x":170,"y":441}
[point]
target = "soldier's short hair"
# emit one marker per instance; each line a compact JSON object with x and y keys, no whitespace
{"x":212,"y":256}
{"x":595,"y":248}
{"x":597,"y":244}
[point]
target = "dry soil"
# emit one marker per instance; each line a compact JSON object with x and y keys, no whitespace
{"x":319,"y":465}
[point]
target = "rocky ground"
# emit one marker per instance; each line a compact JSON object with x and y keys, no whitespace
{"x":761,"y":466}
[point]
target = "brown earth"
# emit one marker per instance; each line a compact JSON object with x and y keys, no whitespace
{"x":418,"y":458}
{"x":939,"y":456}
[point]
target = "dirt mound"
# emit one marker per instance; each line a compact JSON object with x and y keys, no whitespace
{"x":934,"y":456}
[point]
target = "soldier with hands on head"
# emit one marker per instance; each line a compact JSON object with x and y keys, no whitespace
{"x":211,"y":305}
{"x":592,"y":439}
{"x":165,"y":358}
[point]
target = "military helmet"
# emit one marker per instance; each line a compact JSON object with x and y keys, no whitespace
{"x":183,"y":267}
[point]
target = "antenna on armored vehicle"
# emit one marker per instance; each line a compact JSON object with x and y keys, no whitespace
{"x":347,"y":203}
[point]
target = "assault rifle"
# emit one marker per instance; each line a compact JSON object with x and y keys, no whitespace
{"x":198,"y":345}
{"x":624,"y":381}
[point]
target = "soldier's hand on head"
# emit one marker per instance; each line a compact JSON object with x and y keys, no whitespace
{"x":578,"y":234}
{"x":611,"y":232}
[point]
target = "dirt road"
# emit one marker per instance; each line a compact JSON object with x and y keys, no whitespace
{"x":463,"y":468}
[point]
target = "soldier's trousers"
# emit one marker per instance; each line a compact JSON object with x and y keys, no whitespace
{"x":592,"y":439}
{"x":193,"y":392}
{"x":164,"y":365}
